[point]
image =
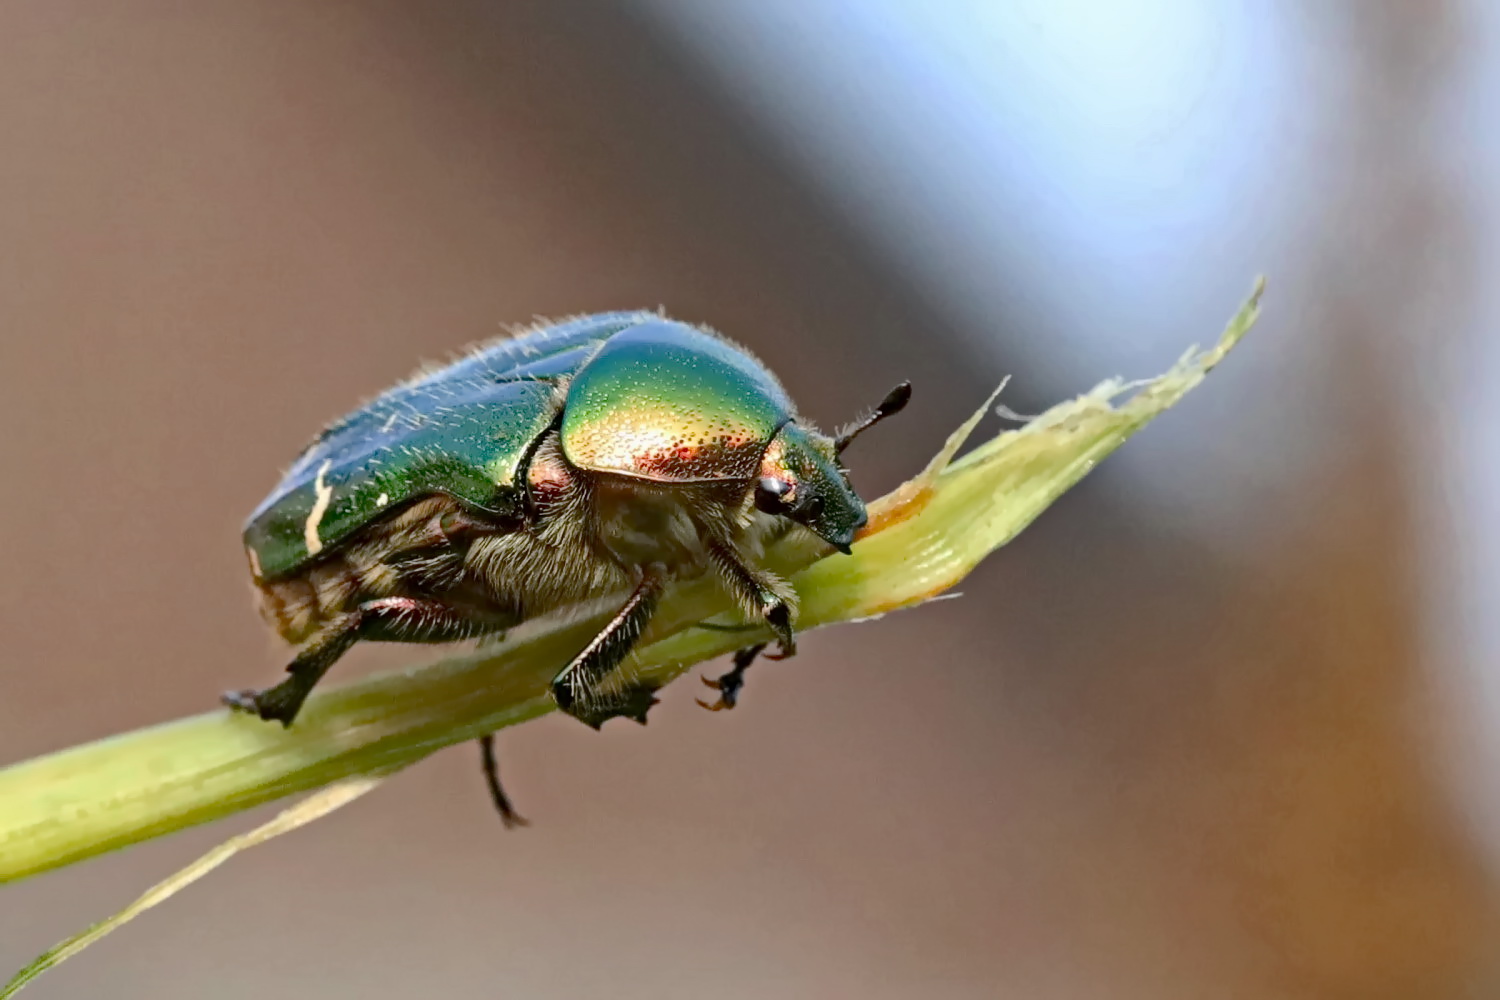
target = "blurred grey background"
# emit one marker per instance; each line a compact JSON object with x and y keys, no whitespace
{"x":1224,"y":723}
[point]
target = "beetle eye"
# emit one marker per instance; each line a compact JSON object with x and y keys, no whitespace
{"x":771,"y":495}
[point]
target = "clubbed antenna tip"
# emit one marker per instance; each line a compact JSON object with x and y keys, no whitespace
{"x":894,"y":402}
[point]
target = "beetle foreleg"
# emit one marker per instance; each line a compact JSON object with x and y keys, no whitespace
{"x":762,"y":593}
{"x":730,"y":683}
{"x":577,"y":686}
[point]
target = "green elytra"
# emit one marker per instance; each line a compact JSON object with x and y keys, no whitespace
{"x":465,"y":430}
{"x":605,"y":454}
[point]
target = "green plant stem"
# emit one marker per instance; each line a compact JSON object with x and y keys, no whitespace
{"x":923,"y":539}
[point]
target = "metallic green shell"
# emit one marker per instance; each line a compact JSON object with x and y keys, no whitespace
{"x":464,"y":430}
{"x":667,"y":402}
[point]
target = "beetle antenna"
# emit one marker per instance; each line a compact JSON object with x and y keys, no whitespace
{"x":893,"y":403}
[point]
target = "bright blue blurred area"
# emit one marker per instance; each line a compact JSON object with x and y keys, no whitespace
{"x":1087,"y":160}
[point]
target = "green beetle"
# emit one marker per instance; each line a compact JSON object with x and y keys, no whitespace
{"x":604,"y":454}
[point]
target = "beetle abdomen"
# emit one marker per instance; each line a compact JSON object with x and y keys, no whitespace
{"x":408,"y":554}
{"x":296,"y":607}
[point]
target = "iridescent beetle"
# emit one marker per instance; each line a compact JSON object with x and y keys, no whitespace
{"x":605,"y":454}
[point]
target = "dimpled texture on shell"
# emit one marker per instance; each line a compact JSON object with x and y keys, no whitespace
{"x":667,"y":402}
{"x":463,"y":430}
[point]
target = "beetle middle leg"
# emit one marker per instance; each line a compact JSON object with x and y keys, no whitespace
{"x":508,"y":814}
{"x":577,"y":686}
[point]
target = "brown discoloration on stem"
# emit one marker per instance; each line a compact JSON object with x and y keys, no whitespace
{"x":908,"y":500}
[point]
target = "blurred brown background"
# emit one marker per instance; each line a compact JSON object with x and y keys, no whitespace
{"x":1219,"y":725}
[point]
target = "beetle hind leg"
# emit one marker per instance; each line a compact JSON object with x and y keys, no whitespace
{"x":282,"y":702}
{"x":388,"y":619}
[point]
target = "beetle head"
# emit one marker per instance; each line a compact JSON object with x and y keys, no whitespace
{"x":801,"y":479}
